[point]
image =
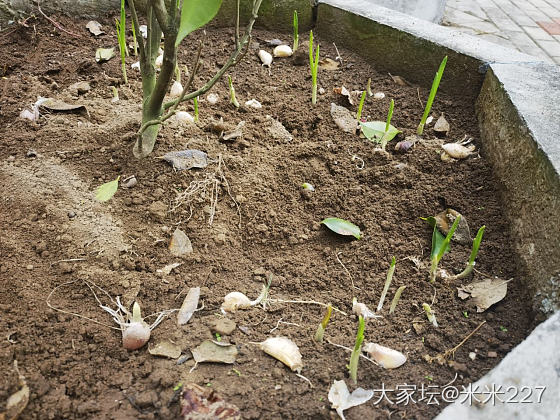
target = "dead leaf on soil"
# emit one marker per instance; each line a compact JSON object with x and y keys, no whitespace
{"x":231,"y":135}
{"x":484,"y":293}
{"x":180,"y":243}
{"x":186,"y":159}
{"x":328,"y":64}
{"x":204,"y":403}
{"x":17,"y":401}
{"x":210,"y":351}
{"x":95,"y":27}
{"x":104,"y":54}
{"x":444,"y":221}
{"x":276,"y":130}
{"x":345,"y":93}
{"x":441,"y":127}
{"x":343,"y":118}
{"x":168,"y":268}
{"x":189,"y":306}
{"x":399,"y":80}
{"x":165,"y":349}
{"x":55,"y":105}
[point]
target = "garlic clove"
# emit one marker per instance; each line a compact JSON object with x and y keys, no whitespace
{"x":378,"y":95}
{"x":282,"y":51}
{"x":386,"y":357}
{"x":234,"y":301}
{"x":362,"y":310}
{"x":253,"y":103}
{"x":212,"y":98}
{"x":135,"y":335}
{"x":457,"y":151}
{"x":183,"y":117}
{"x":176,"y":89}
{"x":266,"y":58}
{"x":285,"y":350}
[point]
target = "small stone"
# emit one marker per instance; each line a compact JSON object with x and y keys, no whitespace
{"x":180,"y":244}
{"x":492,"y":354}
{"x":220,"y":238}
{"x":418,"y":328}
{"x":65,"y":268}
{"x":79,"y":88}
{"x":259,"y":271}
{"x":71,"y":214}
{"x":262,"y":228}
{"x":146,"y":399}
{"x":29,"y":267}
{"x":223,"y":326}
{"x":11,"y":158}
{"x":301,"y":55}
{"x":292,"y":240}
{"x":158,"y":209}
{"x":31,"y":153}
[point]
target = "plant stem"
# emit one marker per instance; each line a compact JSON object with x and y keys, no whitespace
{"x":368,"y":87}
{"x":313,"y":65}
{"x":323,"y":325}
{"x":195,"y":100}
{"x":387,"y":124}
{"x":433,"y":91}
{"x":362,"y":100}
{"x":474,"y":252}
{"x":430,"y":314}
{"x":232,"y":97}
{"x":396,"y":299}
{"x":387,"y":284}
{"x":355,"y":357}
{"x":237,"y":25}
{"x":296,"y":35}
{"x":436,"y":258}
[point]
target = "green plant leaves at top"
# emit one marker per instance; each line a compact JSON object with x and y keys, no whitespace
{"x":106,"y":191}
{"x":375,"y":130}
{"x":194,"y":14}
{"x":342,"y":227}
{"x":437,"y":238}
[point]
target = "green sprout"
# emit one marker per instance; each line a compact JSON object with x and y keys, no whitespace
{"x":502,"y":328}
{"x":314,"y":66}
{"x":387,"y":284}
{"x":195,"y":100}
{"x":433,"y":91}
{"x":470,"y":265}
{"x":368,"y":88}
{"x":430,"y":314}
{"x":134,"y":42}
{"x":362,"y":100}
{"x":355,"y":357}
{"x":236,"y":371}
{"x":465,"y":314}
{"x":323,"y":325}
{"x":440,"y":247}
{"x":396,"y":299}
{"x":233,"y":99}
{"x":381,"y":132}
{"x":121,"y":36}
{"x":218,"y":337}
{"x":296,"y":35}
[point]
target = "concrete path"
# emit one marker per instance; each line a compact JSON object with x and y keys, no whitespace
{"x":530,"y":26}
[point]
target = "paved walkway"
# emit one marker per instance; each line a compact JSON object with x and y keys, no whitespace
{"x":530,"y":26}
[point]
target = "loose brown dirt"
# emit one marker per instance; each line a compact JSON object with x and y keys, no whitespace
{"x":264,"y":225}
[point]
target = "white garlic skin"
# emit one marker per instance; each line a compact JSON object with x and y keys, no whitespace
{"x":176,"y":89}
{"x":159,"y":61}
{"x":457,"y":151}
{"x":282,"y":51}
{"x":266,"y":58}
{"x":362,"y":310}
{"x":285,"y":350}
{"x":212,"y":98}
{"x":386,"y":357}
{"x":183,"y":117}
{"x":378,"y":95}
{"x":234,"y":301}
{"x":253,"y":103}
{"x":135,"y":335}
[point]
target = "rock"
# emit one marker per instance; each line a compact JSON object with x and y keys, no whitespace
{"x":276,"y":130}
{"x":262,"y":228}
{"x":492,"y":354}
{"x":40,"y":247}
{"x":79,"y":88}
{"x":180,"y":244}
{"x":220,"y":238}
{"x":343,"y":118}
{"x":146,"y":399}
{"x":31,"y":153}
{"x":158,"y":210}
{"x":66,"y":268}
{"x":29,"y":267}
{"x":444,"y":221}
{"x":301,"y":55}
{"x":71,"y":214}
{"x":223,"y":326}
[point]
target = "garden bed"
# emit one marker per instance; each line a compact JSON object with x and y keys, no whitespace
{"x":264,"y":226}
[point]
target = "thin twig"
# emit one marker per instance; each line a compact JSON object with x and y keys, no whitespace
{"x":350,"y":350}
{"x":338,"y":56}
{"x":69,"y":260}
{"x":283,"y":322}
{"x":345,"y":269}
{"x":454,"y":349}
{"x":237,"y":26}
{"x":306,"y":302}
{"x":419,"y":100}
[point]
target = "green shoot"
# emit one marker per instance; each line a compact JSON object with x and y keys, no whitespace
{"x":387,"y":284}
{"x":177,"y":73}
{"x":433,"y":91}
{"x":355,"y":357}
{"x":314,"y":66}
{"x":430,"y":314}
{"x":296,"y":35}
{"x":115,"y":94}
{"x":323,"y":325}
{"x":195,"y":100}
{"x":436,"y":256}
{"x":381,"y":132}
{"x":470,"y":265}
{"x":368,"y":88}
{"x":396,"y":299}
{"x":389,"y":115}
{"x":233,"y":99}
{"x":362,"y":100}
{"x":121,"y":36}
{"x":134,"y":42}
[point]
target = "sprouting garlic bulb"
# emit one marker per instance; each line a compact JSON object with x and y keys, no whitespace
{"x":282,"y":51}
{"x":234,"y":301}
{"x":135,"y":335}
{"x":176,"y":89}
{"x":362,"y":310}
{"x":285,"y":350}
{"x":183,"y":117}
{"x":457,"y":151}
{"x":386,"y":357}
{"x":266,"y":58}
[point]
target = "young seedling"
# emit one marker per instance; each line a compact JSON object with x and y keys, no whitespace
{"x":381,"y":132}
{"x":175,"y":20}
{"x":430,"y":314}
{"x":323,"y":325}
{"x":314,"y":66}
{"x":433,"y":91}
{"x":470,"y":265}
{"x":232,"y":97}
{"x":362,"y":100}
{"x":134,"y":42}
{"x":440,"y":247}
{"x":195,"y":100}
{"x":121,"y":36}
{"x":355,"y":357}
{"x":296,"y":35}
{"x":387,"y":284}
{"x":396,"y":299}
{"x":368,"y":88}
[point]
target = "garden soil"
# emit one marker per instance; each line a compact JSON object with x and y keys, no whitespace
{"x":249,"y":220}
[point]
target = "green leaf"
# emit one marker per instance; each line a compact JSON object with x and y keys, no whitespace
{"x":104,"y":54}
{"x":342,"y":227}
{"x":375,"y":130}
{"x":194,"y":14}
{"x":106,"y":191}
{"x":437,"y":238}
